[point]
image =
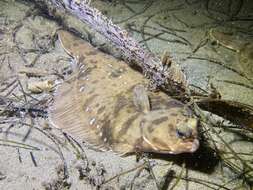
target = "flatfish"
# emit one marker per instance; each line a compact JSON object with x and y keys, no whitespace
{"x":105,"y":103}
{"x":243,"y":47}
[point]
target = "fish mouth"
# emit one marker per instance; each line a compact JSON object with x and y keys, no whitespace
{"x":194,"y":145}
{"x":189,"y":147}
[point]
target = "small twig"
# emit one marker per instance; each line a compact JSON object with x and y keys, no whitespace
{"x":33,"y":159}
{"x":179,"y":177}
{"x":29,"y":130}
{"x":15,"y":144}
{"x":125,"y":172}
{"x":137,"y":174}
{"x":52,"y":138}
{"x":159,"y":38}
{"x":2,"y":61}
{"x":22,"y":90}
{"x":168,"y":28}
{"x":150,"y":169}
{"x":128,"y":7}
{"x":173,"y":33}
{"x":236,"y":83}
{"x":9,"y":63}
{"x":152,"y":37}
{"x":19,"y":156}
{"x":8,"y":85}
{"x":206,"y":183}
{"x":218,"y":63}
{"x":35,"y":60}
{"x":201,"y":44}
{"x":147,"y":6}
{"x":8,"y":130}
{"x":143,"y":32}
{"x":78,"y":154}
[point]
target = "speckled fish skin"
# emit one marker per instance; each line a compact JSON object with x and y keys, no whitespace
{"x":98,"y":105}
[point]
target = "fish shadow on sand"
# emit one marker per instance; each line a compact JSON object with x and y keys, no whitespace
{"x":203,"y":160}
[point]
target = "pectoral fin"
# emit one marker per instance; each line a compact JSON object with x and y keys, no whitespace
{"x":140,"y":98}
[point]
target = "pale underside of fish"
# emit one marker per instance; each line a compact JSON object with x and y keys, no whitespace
{"x":105,"y":104}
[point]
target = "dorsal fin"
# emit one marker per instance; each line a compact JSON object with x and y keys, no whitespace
{"x":75,"y":48}
{"x":141,"y":99}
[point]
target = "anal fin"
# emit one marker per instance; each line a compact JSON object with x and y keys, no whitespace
{"x":67,"y":114}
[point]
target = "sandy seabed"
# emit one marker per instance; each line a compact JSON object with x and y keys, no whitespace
{"x":34,"y":155}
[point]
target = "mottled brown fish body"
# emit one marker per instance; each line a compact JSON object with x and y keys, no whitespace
{"x":98,"y":105}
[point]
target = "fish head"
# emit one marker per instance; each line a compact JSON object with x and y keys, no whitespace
{"x":169,"y":131}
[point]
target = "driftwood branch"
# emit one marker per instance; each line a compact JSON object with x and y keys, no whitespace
{"x":163,"y":75}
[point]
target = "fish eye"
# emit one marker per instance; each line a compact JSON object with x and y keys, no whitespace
{"x":183,"y":132}
{"x":180,"y":134}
